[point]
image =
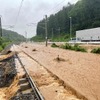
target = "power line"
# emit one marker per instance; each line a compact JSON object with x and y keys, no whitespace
{"x":48,"y":11}
{"x":56,"y":5}
{"x":0,"y":27}
{"x":32,"y":24}
{"x":21,"y":4}
{"x":46,"y":31}
{"x":18,"y":13}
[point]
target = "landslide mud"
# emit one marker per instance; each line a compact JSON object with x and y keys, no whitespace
{"x":7,"y":92}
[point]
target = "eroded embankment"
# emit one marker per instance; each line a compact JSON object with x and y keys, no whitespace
{"x":8,"y":76}
{"x":7,"y":92}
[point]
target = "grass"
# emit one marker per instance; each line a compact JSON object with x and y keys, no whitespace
{"x":3,"y":43}
{"x":76,"y":47}
{"x":96,"y":50}
{"x":1,"y":48}
{"x":54,"y":45}
{"x":66,"y":46}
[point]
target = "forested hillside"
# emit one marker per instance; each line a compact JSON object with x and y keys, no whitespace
{"x":85,"y":14}
{"x":8,"y":37}
{"x":12,"y":36}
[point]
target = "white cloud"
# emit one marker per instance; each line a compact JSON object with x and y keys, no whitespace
{"x":32,"y":11}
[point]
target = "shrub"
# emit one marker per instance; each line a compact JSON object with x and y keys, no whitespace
{"x":1,"y":48}
{"x":1,"y":41}
{"x":5,"y":44}
{"x":54,"y":45}
{"x":96,"y":50}
{"x":78,"y":48}
{"x":66,"y":46}
{"x":76,"y":45}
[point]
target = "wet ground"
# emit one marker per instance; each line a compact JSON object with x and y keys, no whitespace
{"x":50,"y":86}
{"x":80,"y":70}
{"x":59,"y":74}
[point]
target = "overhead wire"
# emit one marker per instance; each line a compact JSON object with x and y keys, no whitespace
{"x":21,"y":4}
{"x":48,"y":11}
{"x":16,"y":20}
{"x":35,"y":24}
{"x":6,"y":26}
{"x":56,"y":6}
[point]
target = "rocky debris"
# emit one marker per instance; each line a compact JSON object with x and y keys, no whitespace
{"x":7,"y":56}
{"x":7,"y":49}
{"x":24,"y":97}
{"x":7,"y":69}
{"x":58,"y":59}
{"x":26,"y":47}
{"x":34,"y":50}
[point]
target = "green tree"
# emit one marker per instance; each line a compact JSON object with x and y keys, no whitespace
{"x":85,"y":14}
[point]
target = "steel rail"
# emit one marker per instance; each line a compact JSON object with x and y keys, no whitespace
{"x":31,"y":82}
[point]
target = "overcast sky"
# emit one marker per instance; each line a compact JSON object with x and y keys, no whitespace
{"x":32,"y":11}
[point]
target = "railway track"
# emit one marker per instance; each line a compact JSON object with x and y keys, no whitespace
{"x":28,"y":90}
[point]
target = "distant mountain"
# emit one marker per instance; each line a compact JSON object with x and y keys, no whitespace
{"x":85,"y":14}
{"x":12,"y":36}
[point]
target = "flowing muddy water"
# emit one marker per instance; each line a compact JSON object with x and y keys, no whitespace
{"x":51,"y":87}
{"x":80,"y":70}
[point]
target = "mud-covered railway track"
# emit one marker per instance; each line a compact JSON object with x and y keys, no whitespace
{"x":77,"y":94}
{"x":30,"y":84}
{"x":26,"y":90}
{"x":22,"y":57}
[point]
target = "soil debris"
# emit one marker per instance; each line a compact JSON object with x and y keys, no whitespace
{"x":7,"y":69}
{"x":34,"y":50}
{"x":58,"y":59}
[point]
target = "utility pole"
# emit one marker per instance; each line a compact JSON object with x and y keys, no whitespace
{"x":70,"y":28}
{"x":59,"y":33}
{"x":52,"y":33}
{"x":26,"y":36}
{"x":0,"y":28}
{"x":46,"y":31}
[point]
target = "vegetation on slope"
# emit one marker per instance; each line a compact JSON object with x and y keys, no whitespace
{"x":9,"y":37}
{"x":85,"y":14}
{"x":3,"y":43}
{"x":54,"y":45}
{"x":96,"y":50}
{"x":37,"y":39}
{"x":12,"y":36}
{"x":67,"y":46}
